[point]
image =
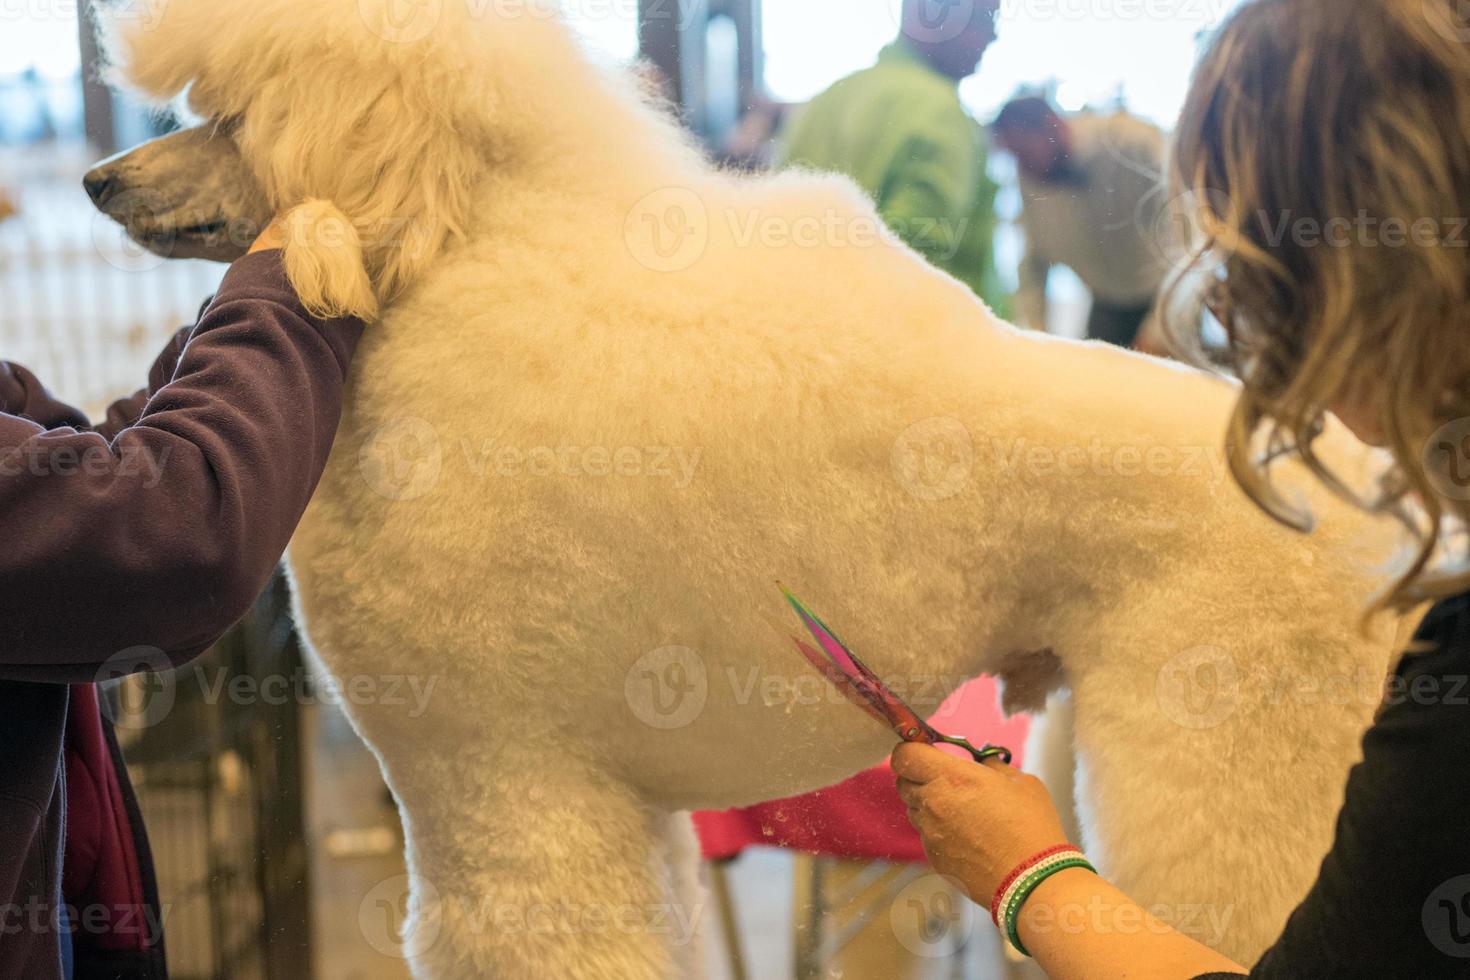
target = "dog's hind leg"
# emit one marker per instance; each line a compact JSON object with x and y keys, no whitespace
{"x":1051,"y":756}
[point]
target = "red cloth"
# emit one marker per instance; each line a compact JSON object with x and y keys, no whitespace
{"x":863,"y":816}
{"x":101,"y":877}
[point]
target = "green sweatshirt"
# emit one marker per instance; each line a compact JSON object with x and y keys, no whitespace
{"x":899,"y":130}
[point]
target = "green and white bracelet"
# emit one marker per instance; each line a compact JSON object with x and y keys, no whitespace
{"x":1006,"y":907}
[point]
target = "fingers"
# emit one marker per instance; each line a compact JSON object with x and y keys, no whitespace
{"x":910,"y":793}
{"x":920,"y":763}
{"x":274,"y":236}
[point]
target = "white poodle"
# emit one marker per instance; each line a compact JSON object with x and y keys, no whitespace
{"x":611,"y":394}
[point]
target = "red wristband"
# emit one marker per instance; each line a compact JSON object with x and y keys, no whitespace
{"x":1020,"y":870}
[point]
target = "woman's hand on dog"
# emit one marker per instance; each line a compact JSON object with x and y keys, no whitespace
{"x":978,"y":822}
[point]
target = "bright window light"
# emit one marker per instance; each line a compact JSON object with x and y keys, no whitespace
{"x":39,"y":37}
{"x":1094,"y":52}
{"x":608,"y":27}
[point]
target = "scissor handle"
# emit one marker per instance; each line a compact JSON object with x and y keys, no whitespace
{"x":982,"y":754}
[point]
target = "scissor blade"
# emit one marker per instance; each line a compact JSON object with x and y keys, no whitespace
{"x":841,"y":681}
{"x":825,"y":638}
{"x":857,"y":677}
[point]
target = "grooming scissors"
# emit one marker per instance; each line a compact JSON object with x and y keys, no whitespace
{"x":863,"y":688}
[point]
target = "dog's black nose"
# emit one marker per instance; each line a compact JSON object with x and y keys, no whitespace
{"x":100,"y":186}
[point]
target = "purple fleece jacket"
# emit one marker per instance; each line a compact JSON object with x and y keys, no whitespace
{"x":141,"y":542}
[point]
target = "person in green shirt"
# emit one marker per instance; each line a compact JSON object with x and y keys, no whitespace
{"x":898,"y":129}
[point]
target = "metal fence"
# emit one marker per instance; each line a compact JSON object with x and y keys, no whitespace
{"x":80,"y":305}
{"x":219,"y":780}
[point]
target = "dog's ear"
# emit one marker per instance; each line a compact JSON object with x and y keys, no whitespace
{"x":324,"y":261}
{"x":386,"y":134}
{"x":393,"y":161}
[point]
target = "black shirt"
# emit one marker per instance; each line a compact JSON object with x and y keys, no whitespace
{"x":1393,"y":896}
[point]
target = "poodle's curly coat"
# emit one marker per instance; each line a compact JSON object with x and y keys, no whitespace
{"x":611,"y":393}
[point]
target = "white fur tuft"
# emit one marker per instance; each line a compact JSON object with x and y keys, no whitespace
{"x":325,"y":264}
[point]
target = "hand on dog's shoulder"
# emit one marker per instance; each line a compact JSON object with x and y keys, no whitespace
{"x":274,"y":236}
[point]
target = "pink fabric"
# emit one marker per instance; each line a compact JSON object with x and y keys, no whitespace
{"x":861,"y":817}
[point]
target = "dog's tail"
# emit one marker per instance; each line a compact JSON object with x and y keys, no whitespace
{"x":324,"y":261}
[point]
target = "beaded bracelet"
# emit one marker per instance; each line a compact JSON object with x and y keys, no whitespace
{"x":1021,"y":883}
{"x":1014,"y":876}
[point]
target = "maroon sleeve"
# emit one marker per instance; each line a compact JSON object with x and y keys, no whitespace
{"x":126,"y":411}
{"x":21,"y":394}
{"x":159,"y":540}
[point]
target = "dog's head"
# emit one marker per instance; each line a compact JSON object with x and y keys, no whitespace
{"x":365,"y":122}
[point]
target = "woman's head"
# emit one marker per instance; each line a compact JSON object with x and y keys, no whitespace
{"x":1325,"y":146}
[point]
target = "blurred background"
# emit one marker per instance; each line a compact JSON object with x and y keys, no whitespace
{"x":279,"y":851}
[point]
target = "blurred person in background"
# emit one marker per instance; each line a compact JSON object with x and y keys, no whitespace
{"x":898,"y":129}
{"x":7,"y":204}
{"x":1091,"y":199}
{"x":754,"y":142}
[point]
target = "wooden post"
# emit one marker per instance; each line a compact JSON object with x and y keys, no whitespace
{"x":97,"y":108}
{"x":671,"y":36}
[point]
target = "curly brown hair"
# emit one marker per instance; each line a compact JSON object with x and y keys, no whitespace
{"x":1325,"y":152}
